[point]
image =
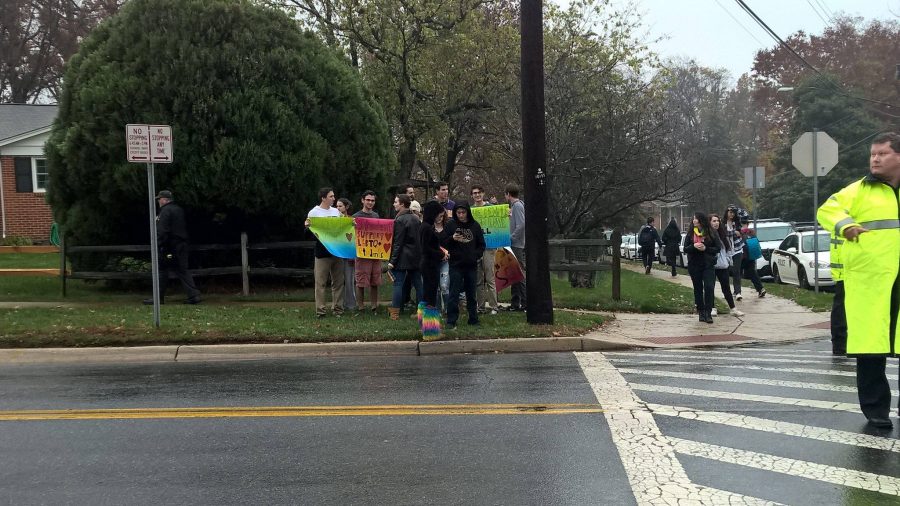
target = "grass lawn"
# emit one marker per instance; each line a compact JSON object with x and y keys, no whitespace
{"x":29,"y":261}
{"x":101,"y":316}
{"x":131,"y":325}
{"x":640,"y":294}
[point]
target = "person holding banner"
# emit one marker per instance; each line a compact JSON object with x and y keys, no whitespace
{"x":519,"y":298}
{"x":344,"y":206}
{"x":404,"y":261}
{"x":327,"y":264}
{"x":487,"y":288}
{"x":368,"y":270}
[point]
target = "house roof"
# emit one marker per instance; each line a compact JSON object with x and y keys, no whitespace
{"x":18,"y":120}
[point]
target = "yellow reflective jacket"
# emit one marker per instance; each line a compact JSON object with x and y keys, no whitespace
{"x":837,"y":268}
{"x":870,"y":264}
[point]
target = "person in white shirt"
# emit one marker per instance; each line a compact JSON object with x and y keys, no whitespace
{"x":327,"y":264}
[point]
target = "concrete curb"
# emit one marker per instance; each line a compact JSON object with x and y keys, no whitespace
{"x":217,"y":352}
{"x":210,"y":352}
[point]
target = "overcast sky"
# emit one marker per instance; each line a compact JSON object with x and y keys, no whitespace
{"x":720,"y":34}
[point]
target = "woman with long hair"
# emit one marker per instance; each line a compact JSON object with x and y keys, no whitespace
{"x":430,"y":267}
{"x":345,"y":207}
{"x":701,"y":249}
{"x":723,"y":262}
{"x":733,"y":235}
{"x":671,"y":238}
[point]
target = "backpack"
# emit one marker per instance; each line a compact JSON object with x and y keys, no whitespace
{"x":645,"y":237}
{"x":753,"y":249}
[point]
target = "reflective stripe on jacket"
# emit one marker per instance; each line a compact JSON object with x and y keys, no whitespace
{"x":870,"y":264}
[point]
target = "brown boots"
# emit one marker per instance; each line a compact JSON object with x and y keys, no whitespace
{"x":394,"y":312}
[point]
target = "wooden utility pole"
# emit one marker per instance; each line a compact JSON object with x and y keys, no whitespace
{"x":534,"y":156}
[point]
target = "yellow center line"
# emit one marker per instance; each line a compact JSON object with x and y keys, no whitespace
{"x":300,"y":411}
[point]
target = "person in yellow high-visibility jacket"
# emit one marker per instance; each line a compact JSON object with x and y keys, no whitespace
{"x":866,"y":213}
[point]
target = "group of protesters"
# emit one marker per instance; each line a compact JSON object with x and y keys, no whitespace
{"x":717,"y":249}
{"x":437,"y":251}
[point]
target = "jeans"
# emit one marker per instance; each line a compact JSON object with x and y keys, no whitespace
{"x":443,"y":285}
{"x":518,"y":293}
{"x":415,"y":280}
{"x":722,"y":276}
{"x":704,"y":281}
{"x":487,"y":289}
{"x":737,"y":267}
{"x":462,"y":280}
{"x":749,"y":267}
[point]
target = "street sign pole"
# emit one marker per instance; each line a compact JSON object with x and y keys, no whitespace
{"x":815,"y":163}
{"x":752,"y":202}
{"x":154,"y":250}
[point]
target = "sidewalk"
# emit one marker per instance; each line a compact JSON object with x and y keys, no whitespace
{"x":767,"y":320}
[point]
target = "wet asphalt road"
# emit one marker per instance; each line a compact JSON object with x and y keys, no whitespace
{"x":414,"y":459}
{"x":728,"y":425}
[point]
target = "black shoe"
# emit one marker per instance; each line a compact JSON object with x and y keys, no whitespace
{"x":474,"y":323}
{"x":192,"y":300}
{"x":839,"y":352}
{"x":709,"y":318}
{"x":149,"y":302}
{"x":881,"y":423}
{"x":702,"y":317}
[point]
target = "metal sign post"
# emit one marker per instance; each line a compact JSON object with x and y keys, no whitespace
{"x":814,"y":152}
{"x":149,"y":144}
{"x":154,"y":247}
{"x":754,"y":177}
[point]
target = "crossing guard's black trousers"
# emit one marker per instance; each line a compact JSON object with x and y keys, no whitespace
{"x":871,"y":381}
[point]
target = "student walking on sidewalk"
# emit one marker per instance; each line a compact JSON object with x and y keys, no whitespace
{"x":671,"y":239}
{"x":723,"y":262}
{"x":701,"y":250}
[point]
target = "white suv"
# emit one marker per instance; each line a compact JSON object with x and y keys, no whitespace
{"x":770,"y":234}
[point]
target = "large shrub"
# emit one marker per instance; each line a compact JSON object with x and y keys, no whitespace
{"x":262,"y":116}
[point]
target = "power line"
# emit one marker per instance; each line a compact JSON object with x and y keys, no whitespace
{"x":736,"y":20}
{"x":816,"y":10}
{"x":785,"y":45}
{"x":825,"y":9}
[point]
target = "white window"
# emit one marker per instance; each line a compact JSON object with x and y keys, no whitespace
{"x":39,"y":174}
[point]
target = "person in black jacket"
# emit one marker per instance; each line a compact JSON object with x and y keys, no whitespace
{"x":701,"y":249}
{"x":404,"y":262}
{"x":671,"y":239}
{"x":465,"y":242}
{"x":172,"y":241}
{"x":648,"y":238}
{"x":432,"y":256}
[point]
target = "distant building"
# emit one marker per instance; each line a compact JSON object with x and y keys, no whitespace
{"x":24,"y":129}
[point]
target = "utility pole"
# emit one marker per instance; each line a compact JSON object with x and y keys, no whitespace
{"x":534,"y":156}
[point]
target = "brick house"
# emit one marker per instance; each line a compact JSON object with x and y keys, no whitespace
{"x":24,"y":128}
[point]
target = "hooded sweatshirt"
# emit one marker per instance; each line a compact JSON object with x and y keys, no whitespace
{"x":467,"y":251}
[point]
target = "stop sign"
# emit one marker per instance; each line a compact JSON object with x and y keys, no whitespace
{"x":826,"y":153}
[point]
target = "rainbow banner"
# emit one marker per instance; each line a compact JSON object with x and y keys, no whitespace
{"x":374,"y":238}
{"x":336,"y":234}
{"x":494,"y":221}
{"x":507,"y":269}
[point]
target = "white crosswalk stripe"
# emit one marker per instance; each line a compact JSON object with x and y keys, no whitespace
{"x":783,"y":405}
{"x":654,"y":472}
{"x":743,"y":380}
{"x":799,"y":370}
{"x":809,"y":470}
{"x":823,"y":361}
{"x":778,"y":427}
{"x":715,"y":394}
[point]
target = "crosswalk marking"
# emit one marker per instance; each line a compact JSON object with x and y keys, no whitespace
{"x":712,"y":357}
{"x":807,"y":403}
{"x":778,"y":427}
{"x":654,"y":472}
{"x":800,"y":370}
{"x":771,"y":353}
{"x":793,"y":467}
{"x":744,"y":380}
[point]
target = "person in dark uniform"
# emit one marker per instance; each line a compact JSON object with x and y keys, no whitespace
{"x":172,"y":241}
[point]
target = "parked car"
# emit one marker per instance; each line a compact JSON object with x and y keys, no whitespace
{"x":770,"y":234}
{"x":629,"y":248}
{"x":793,"y":261}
